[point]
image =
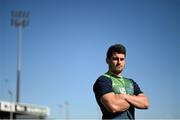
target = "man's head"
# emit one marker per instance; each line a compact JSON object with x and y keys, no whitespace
{"x":116,"y":58}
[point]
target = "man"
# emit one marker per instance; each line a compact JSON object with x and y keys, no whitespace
{"x":116,"y":95}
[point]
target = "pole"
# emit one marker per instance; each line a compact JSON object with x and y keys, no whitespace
{"x":19,"y":20}
{"x":61,"y":110}
{"x":11,"y":106}
{"x":67,"y":109}
{"x":19,"y":63}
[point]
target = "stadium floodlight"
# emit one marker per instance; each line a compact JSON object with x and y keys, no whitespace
{"x":19,"y":19}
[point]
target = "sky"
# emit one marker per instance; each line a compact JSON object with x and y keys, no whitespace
{"x":64,"y":50}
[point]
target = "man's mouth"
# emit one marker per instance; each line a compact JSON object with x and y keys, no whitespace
{"x":119,"y":66}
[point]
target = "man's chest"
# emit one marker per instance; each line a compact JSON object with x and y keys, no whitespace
{"x":122,"y":86}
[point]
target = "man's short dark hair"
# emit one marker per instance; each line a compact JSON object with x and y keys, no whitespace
{"x":119,"y":48}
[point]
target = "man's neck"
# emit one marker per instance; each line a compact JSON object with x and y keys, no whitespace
{"x":114,"y":74}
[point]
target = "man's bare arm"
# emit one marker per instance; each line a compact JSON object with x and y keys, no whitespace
{"x":140,"y":101}
{"x":114,"y":102}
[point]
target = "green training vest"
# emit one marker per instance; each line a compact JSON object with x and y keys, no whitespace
{"x":121,"y":85}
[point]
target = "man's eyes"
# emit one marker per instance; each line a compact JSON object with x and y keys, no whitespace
{"x":121,"y":59}
{"x":115,"y":58}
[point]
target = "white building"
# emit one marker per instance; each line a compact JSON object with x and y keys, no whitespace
{"x":10,"y":110}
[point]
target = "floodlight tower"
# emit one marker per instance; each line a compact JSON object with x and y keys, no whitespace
{"x":19,"y":19}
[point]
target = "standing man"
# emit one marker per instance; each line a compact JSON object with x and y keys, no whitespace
{"x":116,"y":95}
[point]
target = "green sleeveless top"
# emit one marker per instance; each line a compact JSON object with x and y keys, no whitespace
{"x":121,"y":85}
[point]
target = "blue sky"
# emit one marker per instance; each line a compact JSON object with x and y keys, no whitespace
{"x":64,"y":50}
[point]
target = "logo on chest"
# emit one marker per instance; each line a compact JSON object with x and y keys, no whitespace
{"x":123,"y":89}
{"x":119,"y":89}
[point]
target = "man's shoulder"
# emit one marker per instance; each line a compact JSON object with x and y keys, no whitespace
{"x":102,"y":86}
{"x":129,"y":79}
{"x":103,"y":78}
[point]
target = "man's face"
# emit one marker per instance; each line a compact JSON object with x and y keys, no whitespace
{"x":116,"y":63}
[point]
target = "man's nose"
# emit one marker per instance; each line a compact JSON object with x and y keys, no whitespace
{"x":119,"y":60}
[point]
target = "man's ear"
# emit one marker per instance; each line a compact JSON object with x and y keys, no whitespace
{"x":107,"y":60}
